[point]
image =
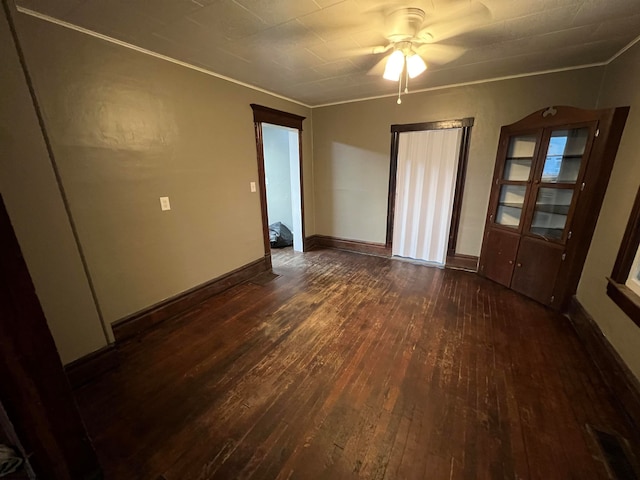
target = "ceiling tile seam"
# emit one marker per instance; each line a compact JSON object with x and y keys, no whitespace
{"x":228,"y":52}
{"x":464,"y":84}
{"x":316,"y":55}
{"x":277,"y":25}
{"x":249,"y":11}
{"x":151,"y":53}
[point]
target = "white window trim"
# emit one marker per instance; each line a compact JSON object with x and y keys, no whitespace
{"x":633,"y":282}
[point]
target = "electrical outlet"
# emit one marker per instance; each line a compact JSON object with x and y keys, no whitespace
{"x":164,"y":203}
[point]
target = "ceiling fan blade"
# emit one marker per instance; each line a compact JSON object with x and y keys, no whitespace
{"x":378,"y":69}
{"x":357,"y":52}
{"x":438,"y":53}
{"x":454,"y":22}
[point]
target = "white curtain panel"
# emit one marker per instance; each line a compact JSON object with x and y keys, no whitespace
{"x":425,"y":187}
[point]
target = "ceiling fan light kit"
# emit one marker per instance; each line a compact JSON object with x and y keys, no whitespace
{"x":396,"y":64}
{"x":415,"y":65}
{"x":394,"y":67}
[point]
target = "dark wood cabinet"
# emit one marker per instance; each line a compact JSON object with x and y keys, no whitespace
{"x":551,"y":173}
{"x":499,"y":255}
{"x":536,"y":270}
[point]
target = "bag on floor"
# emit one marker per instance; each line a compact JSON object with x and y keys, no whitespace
{"x":280,"y":236}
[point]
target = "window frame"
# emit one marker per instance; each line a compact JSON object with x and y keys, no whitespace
{"x":633,"y":280}
{"x":617,"y":290}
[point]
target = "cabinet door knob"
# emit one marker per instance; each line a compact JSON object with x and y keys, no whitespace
{"x":519,"y":264}
{"x":510,"y":262}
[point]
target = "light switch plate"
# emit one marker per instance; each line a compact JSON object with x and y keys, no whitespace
{"x":253,"y":187}
{"x":164,"y":203}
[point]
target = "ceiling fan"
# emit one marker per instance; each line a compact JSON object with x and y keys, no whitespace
{"x":412,"y":35}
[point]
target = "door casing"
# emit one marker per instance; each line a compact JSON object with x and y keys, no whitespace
{"x":262,"y":114}
{"x":465,"y":124}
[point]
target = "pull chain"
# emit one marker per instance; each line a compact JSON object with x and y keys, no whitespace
{"x":406,"y":80}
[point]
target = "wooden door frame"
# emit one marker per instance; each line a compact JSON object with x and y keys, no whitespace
{"x":262,"y":114}
{"x":463,"y":157}
{"x":37,"y":407}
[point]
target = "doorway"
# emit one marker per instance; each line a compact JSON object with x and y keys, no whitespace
{"x":279,"y":152}
{"x":428,"y":167}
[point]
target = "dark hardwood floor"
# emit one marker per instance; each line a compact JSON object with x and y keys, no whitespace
{"x":353,"y":366}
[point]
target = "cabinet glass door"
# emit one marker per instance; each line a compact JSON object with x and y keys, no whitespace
{"x":551,"y":211}
{"x":557,"y":182}
{"x":510,"y":205}
{"x":515,"y":175}
{"x":564,"y":155}
{"x":519,"y":159}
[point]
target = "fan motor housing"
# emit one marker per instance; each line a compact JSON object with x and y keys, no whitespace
{"x":404,"y":23}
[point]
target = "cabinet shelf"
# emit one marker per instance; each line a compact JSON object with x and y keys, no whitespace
{"x":561,"y":168}
{"x":512,"y":205}
{"x":547,"y":232}
{"x":554,"y":209}
{"x":517,"y":168}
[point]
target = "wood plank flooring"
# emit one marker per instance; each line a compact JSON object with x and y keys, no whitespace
{"x":350,"y":366}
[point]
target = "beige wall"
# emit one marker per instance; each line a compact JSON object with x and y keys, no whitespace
{"x":127,"y":128}
{"x":33,"y":200}
{"x":352,"y":142}
{"x":620,"y":87}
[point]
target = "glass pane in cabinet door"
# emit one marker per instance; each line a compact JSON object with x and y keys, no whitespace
{"x":564,"y":155}
{"x":510,"y":205}
{"x":519,"y":157}
{"x":550,"y":214}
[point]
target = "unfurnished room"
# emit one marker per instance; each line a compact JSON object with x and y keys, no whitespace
{"x":320,"y":239}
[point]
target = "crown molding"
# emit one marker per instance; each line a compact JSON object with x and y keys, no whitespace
{"x":160,"y":56}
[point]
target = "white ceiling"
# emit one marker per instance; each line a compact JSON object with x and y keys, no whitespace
{"x":298,"y":48}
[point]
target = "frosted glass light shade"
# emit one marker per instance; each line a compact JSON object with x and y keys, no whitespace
{"x":394,"y":67}
{"x":415,"y":65}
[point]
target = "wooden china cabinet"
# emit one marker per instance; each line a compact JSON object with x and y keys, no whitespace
{"x":551,"y":173}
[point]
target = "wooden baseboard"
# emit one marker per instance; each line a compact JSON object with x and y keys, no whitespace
{"x":462,"y":262}
{"x":85,"y":369}
{"x":139,"y":322}
{"x":310,"y":243}
{"x":624,"y":386}
{"x":379,"y":249}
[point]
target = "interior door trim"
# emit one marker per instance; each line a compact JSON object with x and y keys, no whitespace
{"x":465,"y":124}
{"x":262,"y":114}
